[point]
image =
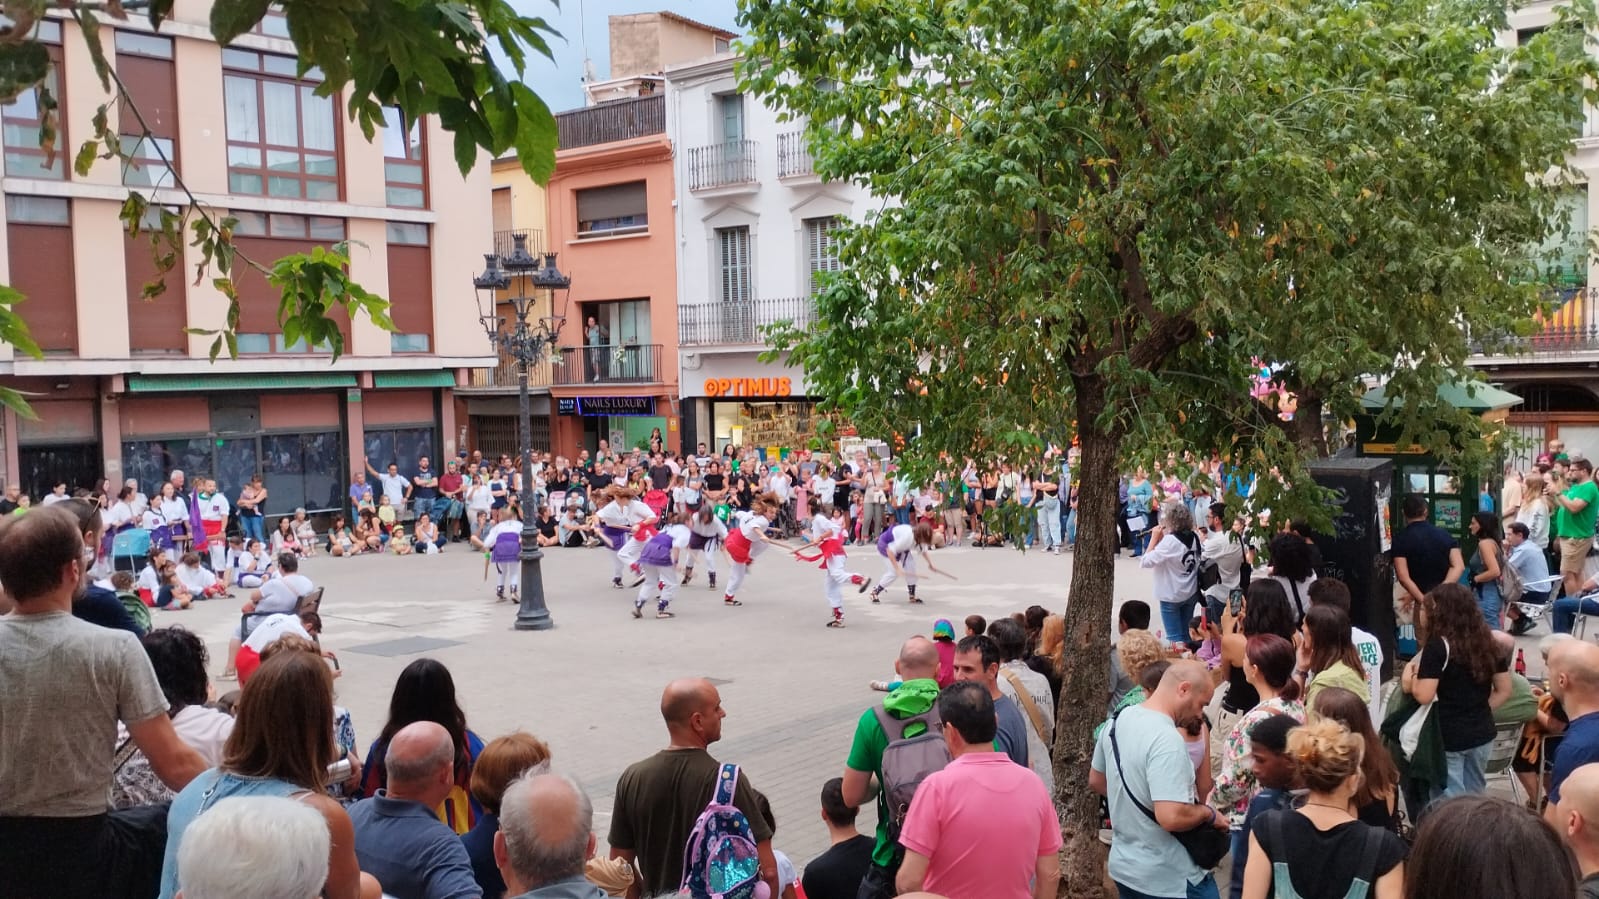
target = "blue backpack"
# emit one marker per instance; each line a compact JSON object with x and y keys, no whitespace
{"x":720,"y":861}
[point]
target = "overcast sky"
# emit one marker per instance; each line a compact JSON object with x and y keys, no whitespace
{"x":560,"y":82}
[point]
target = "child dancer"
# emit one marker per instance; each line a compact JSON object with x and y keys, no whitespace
{"x":504,"y":541}
{"x":896,"y":546}
{"x":821,"y":523}
{"x":658,"y":561}
{"x":641,"y":521}
{"x":830,"y":550}
{"x":707,"y":533}
{"x":747,"y":541}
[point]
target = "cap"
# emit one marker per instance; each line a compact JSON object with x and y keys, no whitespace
{"x":942,"y":628}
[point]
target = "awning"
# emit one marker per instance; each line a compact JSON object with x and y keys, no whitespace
{"x":1473,"y":395}
{"x":413,"y":379}
{"x":265,"y":381}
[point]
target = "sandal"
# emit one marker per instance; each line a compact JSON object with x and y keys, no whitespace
{"x":731,"y":602}
{"x":914,"y":601}
{"x":835,"y":623}
{"x":664,"y":614}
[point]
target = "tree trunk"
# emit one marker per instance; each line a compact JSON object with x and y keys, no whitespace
{"x":1085,"y":684}
{"x":1307,"y":427}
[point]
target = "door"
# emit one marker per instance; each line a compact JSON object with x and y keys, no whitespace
{"x":730,"y":116}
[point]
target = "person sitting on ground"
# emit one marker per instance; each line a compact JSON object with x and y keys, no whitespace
{"x":837,"y":873}
{"x":150,"y":574}
{"x":503,"y":761}
{"x":253,"y":566}
{"x":281,"y":745}
{"x":122,"y":584}
{"x":304,"y":533}
{"x":255,"y":847}
{"x":547,"y":535}
{"x":285,"y":540}
{"x":546,"y":840}
{"x":425,"y":691}
{"x":67,"y":685}
{"x":369,"y":536}
{"x":1450,"y":859}
{"x":179,"y":659}
{"x":428,"y":539}
{"x":173,"y":594}
{"x":341,"y":541}
{"x":398,"y":839}
{"x":200,"y":582}
{"x":399,"y":543}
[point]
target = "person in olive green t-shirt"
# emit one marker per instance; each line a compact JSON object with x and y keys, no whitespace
{"x":1576,"y":508}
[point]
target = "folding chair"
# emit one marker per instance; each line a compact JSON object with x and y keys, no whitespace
{"x":1501,"y":752}
{"x":310,"y":602}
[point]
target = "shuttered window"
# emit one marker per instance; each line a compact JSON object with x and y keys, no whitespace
{"x":821,"y":250}
{"x":144,"y":64}
{"x":410,"y":288}
{"x":39,"y":230}
{"x":154,"y":325}
{"x":733,"y":251}
{"x":612,"y":210}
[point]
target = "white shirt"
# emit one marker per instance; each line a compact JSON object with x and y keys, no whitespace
{"x":174,"y":509}
{"x":1535,"y":515}
{"x":120,"y":514}
{"x":639,"y":513}
{"x":196,"y":579}
{"x":214,"y":508}
{"x":204,"y":730}
{"x":903,"y":539}
{"x":752,"y":526}
{"x":513,"y":526}
{"x":1228,"y":554}
{"x":280,"y":594}
{"x":52,"y":499}
{"x":715,"y":529}
{"x":1299,"y":588}
{"x":779,"y":485}
{"x":149,"y":580}
{"x":821,"y":527}
{"x":394,"y":487}
{"x":1371,"y":659}
{"x":151,"y":519}
{"x":1175,"y":573}
{"x":679,"y":534}
{"x":272,"y":627}
{"x":613,"y":515}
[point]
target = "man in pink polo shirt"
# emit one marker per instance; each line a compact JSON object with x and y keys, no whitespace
{"x":984,"y":825}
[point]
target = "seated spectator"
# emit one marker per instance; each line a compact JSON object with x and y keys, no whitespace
{"x":179,"y":659}
{"x":547,"y":535}
{"x":983,"y":825}
{"x":253,"y":566}
{"x":546,"y":839}
{"x":428,"y":539}
{"x":1451,"y":856}
{"x":172,"y":594}
{"x":503,"y":760}
{"x":122,"y":584}
{"x":343,"y":725}
{"x":255,"y":847}
{"x":1574,"y":681}
{"x":341,"y":541}
{"x":837,"y":873}
{"x":150,"y":574}
{"x":1541,"y":735}
{"x":281,"y":745}
{"x":198,"y":580}
{"x":67,"y":684}
{"x":1576,"y":819}
{"x":398,"y":839}
{"x":1520,"y":706}
{"x":285,"y":540}
{"x":304,"y":533}
{"x":369,"y":535}
{"x":280,"y":595}
{"x":306,"y":625}
{"x":399,"y":543}
{"x":425,"y":691}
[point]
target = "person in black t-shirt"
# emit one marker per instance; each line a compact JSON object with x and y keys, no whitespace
{"x":837,"y":873}
{"x":715,"y":484}
{"x":660,"y":472}
{"x":1425,"y":555}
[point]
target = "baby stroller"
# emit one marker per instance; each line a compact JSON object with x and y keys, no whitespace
{"x":129,"y":549}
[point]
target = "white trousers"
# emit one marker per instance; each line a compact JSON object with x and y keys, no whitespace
{"x":628,"y":554}
{"x":837,"y":577}
{"x":660,"y":579}
{"x":510,"y":574}
{"x":907,"y":562}
{"x":708,"y":554}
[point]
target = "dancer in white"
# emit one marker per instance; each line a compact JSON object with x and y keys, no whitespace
{"x":830,"y":551}
{"x":214,"y":511}
{"x":821,"y":523}
{"x":504,"y":541}
{"x":658,"y":561}
{"x":898,"y":546}
{"x":707,"y":533}
{"x":641,"y":524}
{"x":748,"y":540}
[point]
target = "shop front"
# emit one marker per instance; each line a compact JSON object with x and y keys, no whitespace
{"x":623,"y":422}
{"x":735,"y":399}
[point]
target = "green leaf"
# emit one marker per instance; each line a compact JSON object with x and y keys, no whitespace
{"x":85,"y":158}
{"x":16,"y":401}
{"x":91,"y":40}
{"x":22,"y":65}
{"x":231,"y":18}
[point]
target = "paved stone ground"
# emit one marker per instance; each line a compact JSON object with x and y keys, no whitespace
{"x":591,"y":687}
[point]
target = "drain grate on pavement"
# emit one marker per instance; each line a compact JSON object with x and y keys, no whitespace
{"x":402,"y":647}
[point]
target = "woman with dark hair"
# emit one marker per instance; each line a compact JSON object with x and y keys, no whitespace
{"x":1376,"y":802}
{"x":1269,"y":667}
{"x":1485,"y":566}
{"x":281,"y":745}
{"x":1327,"y":655}
{"x":1033,"y":622}
{"x":179,"y":659}
{"x":1452,"y":858}
{"x":425,"y":691}
{"x":1292,"y":566}
{"x":1464,"y":672}
{"x":1264,"y":610}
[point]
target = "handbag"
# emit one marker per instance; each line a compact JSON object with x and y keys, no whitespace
{"x":1206,"y":846}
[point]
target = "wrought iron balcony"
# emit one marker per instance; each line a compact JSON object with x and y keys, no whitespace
{"x":727,"y":164}
{"x":612,"y":363}
{"x":505,"y":241}
{"x":794,"y":156}
{"x":1572,"y":327}
{"x":740,"y":321}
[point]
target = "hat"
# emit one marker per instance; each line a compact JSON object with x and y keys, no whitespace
{"x":942,"y":629}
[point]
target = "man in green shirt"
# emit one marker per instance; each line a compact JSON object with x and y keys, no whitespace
{"x":863,"y":775}
{"x":1576,"y":507}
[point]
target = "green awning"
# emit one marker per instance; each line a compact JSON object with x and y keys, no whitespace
{"x":264,"y":381}
{"x":1473,"y":395}
{"x":413,"y":379}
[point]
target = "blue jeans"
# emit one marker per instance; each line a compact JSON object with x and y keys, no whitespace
{"x":1565,"y":612}
{"x":1140,"y":542}
{"x":1488,"y":601}
{"x":1205,"y":889}
{"x":254,"y":528}
{"x":1174,"y":617}
{"x":1465,"y":772}
{"x":1049,"y":528}
{"x":1264,"y":801}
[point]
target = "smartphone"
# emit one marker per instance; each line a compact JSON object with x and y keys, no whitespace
{"x":1235,"y":603}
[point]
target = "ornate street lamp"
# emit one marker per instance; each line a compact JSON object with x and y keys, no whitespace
{"x":529,"y":342}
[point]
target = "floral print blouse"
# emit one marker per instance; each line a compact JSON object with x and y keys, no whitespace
{"x":1235,"y":782}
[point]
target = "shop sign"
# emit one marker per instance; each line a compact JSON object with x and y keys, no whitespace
{"x":615,"y":405}
{"x":748,"y":387}
{"x":566,"y":405}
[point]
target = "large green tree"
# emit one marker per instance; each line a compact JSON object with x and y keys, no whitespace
{"x":1101,"y":215}
{"x":425,"y":57}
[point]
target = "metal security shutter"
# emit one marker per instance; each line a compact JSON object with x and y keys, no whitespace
{"x":612,"y":202}
{"x":733,"y":251}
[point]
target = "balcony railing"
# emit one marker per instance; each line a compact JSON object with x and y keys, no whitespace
{"x":740,"y":321}
{"x":610,"y":364}
{"x":614,"y":121}
{"x":722,"y":165}
{"x":504,"y":375}
{"x":794,"y":155}
{"x":504,"y":241}
{"x":1573,"y":326}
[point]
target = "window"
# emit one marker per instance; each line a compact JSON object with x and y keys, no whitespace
{"x":402,"y":446}
{"x":733,"y":252}
{"x":612,"y":210}
{"x":144,"y":63}
{"x":403,"y":168}
{"x":302,"y":470}
{"x":410,"y":288}
{"x":722,"y":45}
{"x":21,"y":119}
{"x":501,"y":210}
{"x":821,"y":250}
{"x":154,"y":325}
{"x":273,"y":24}
{"x":1562,"y":259}
{"x":151,"y":461}
{"x":265,"y":238}
{"x":282,"y":137}
{"x":39,"y":228}
{"x":730,"y":117}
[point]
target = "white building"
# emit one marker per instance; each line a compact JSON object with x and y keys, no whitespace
{"x":754,"y":226}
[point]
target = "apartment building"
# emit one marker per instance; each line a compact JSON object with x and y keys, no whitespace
{"x":757,"y":230}
{"x":1556,"y":371}
{"x":123,"y":390}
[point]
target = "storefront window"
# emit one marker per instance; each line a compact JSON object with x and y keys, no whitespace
{"x":152,"y":461}
{"x":764,"y":425}
{"x":301,"y":470}
{"x":402,"y":446}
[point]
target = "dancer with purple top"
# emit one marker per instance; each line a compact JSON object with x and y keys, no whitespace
{"x":897,"y":545}
{"x":658,"y":561}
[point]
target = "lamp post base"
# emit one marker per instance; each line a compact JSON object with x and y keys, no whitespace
{"x":533,"y":614}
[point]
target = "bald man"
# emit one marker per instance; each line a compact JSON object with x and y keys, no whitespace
{"x":399,"y":838}
{"x":546,"y":836}
{"x":909,"y":710}
{"x":659,"y":798}
{"x":1574,"y":681}
{"x":1576,"y":817}
{"x":1140,"y":759}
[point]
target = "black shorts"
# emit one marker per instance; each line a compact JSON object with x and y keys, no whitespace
{"x":990,"y":494}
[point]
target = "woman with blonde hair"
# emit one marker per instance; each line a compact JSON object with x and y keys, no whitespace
{"x":502,"y":761}
{"x":1534,"y":511}
{"x":1050,"y":657}
{"x":1321,"y":850}
{"x":1136,"y":650}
